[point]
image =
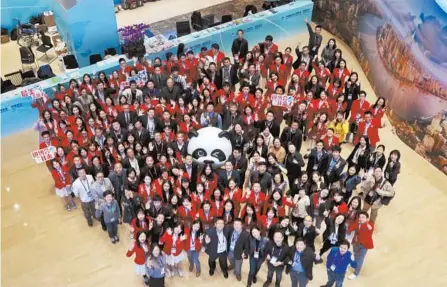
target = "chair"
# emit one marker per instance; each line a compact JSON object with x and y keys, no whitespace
{"x":45,"y":72}
{"x":70,"y":62}
{"x":95,"y":58}
{"x":207,"y":21}
{"x":45,"y":47}
{"x":196,"y":21}
{"x":15,"y":78}
{"x":110,"y":51}
{"x":183,"y":28}
{"x":227,"y":18}
{"x":7,"y":86}
{"x":27,"y":57}
{"x":28,"y":75}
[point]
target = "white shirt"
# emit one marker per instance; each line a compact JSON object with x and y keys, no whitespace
{"x":222,"y":242}
{"x":82,"y":188}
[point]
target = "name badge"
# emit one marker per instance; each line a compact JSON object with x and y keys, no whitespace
{"x":162,"y":271}
{"x":333,"y":267}
{"x":256,"y":255}
{"x":112,"y":219}
{"x":173,"y":250}
{"x":273,"y":260}
{"x":315,"y":167}
{"x":349,"y":97}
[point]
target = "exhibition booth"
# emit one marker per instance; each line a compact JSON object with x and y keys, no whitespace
{"x":282,"y":22}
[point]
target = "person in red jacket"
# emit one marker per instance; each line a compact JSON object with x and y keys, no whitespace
{"x":140,"y":223}
{"x":206,"y":215}
{"x":277,"y":201}
{"x":173,"y":241}
{"x":281,"y":69}
{"x":139,"y":247}
{"x":62,"y":183}
{"x":186,"y":212}
{"x":363,"y":230}
{"x":329,"y":140}
{"x":369,"y":127}
{"x":234,"y":193}
{"x":193,"y":245}
{"x":268,"y":220}
{"x":255,"y":196}
{"x":338,"y":205}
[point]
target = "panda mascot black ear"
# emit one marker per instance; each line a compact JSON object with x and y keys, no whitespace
{"x":192,"y":134}
{"x":224,"y":134}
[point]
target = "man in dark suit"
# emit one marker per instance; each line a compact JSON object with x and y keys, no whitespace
{"x":270,"y":123}
{"x":277,"y":257}
{"x":158,"y":78}
{"x":140,"y":133}
{"x":126,"y":117}
{"x":150,"y":122}
{"x":132,"y":161}
{"x":251,"y":78}
{"x":239,"y":48}
{"x":292,"y":135}
{"x":227,"y":174}
{"x":118,"y":177}
{"x":336,"y":164}
{"x":216,"y":246}
{"x":102,"y":93}
{"x":118,"y":133}
{"x":240,"y":163}
{"x":214,"y":75}
{"x":150,"y":169}
{"x":301,"y":263}
{"x":318,"y":160}
{"x":228,"y":73}
{"x":315,"y":38}
{"x":191,"y":168}
{"x":238,"y":247}
{"x":180,"y":145}
{"x":263,"y":177}
{"x":171,"y":91}
{"x":306,"y":231}
{"x":77,"y":165}
{"x":231,"y":116}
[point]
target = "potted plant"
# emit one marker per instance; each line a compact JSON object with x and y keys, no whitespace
{"x":132,"y":39}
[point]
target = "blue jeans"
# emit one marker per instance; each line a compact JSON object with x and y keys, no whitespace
{"x":272,"y":269}
{"x":255,"y":265}
{"x":299,"y":279}
{"x":336,"y":278}
{"x":237,"y":264}
{"x":193,"y":258}
{"x":359,"y":257}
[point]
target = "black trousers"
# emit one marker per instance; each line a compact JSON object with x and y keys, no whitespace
{"x":272,"y":269}
{"x":255,"y":265}
{"x":222,"y":257}
{"x":326,"y":246}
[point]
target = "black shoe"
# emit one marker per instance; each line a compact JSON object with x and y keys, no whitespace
{"x":211,"y":272}
{"x":266,"y":284}
{"x":306,"y":156}
{"x":104,"y":228}
{"x":90,"y":223}
{"x":255,"y":280}
{"x":226,"y":275}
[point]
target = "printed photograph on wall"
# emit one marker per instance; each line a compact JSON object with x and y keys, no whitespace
{"x":402,"y":48}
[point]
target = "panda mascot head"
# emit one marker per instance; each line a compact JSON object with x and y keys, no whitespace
{"x":209,"y":145}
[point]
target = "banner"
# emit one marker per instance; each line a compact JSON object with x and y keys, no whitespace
{"x":141,"y":79}
{"x":43,"y":155}
{"x":34,"y":91}
{"x":402,"y":49}
{"x":281,"y":100}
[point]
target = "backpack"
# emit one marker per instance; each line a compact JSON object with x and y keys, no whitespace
{"x":385,"y":200}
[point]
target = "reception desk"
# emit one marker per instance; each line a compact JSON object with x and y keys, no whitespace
{"x":282,"y":22}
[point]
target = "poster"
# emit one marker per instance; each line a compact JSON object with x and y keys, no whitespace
{"x":281,"y":100}
{"x":45,"y":154}
{"x":402,"y":49}
{"x":141,"y":79}
{"x":34,"y":91}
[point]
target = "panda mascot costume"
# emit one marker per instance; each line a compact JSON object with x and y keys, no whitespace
{"x":210,"y":145}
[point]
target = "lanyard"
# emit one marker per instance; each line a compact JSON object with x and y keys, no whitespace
{"x":87,"y":189}
{"x":280,"y":250}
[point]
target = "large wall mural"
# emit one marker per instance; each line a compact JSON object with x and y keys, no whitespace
{"x":402,"y":48}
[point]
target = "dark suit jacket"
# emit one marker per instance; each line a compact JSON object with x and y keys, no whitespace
{"x":233,"y":75}
{"x":183,"y":151}
{"x":171,"y":94}
{"x":321,"y":165}
{"x":194,"y":173}
{"x":314,"y":40}
{"x":107,"y":93}
{"x":309,"y":237}
{"x":144,"y":121}
{"x":144,"y":137}
{"x":238,"y":141}
{"x":223,"y":179}
{"x":217,"y":78}
{"x":242,"y":243}
{"x":242,"y":165}
{"x":293,"y":163}
{"x":239,"y":46}
{"x":337,"y":170}
{"x":153,"y":172}
{"x":118,"y":185}
{"x":159,"y":84}
{"x":123,"y":134}
{"x":211,"y":248}
{"x":330,"y":228}
{"x":265,"y":180}
{"x":288,"y":137}
{"x":307,"y":260}
{"x":274,"y":127}
{"x":228,"y":119}
{"x":282,"y":256}
{"x":73,"y":172}
{"x":262,"y":247}
{"x":122,"y":120}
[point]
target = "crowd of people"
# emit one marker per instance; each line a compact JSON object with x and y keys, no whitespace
{"x":123,"y":152}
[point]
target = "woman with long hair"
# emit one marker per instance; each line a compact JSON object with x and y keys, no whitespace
{"x":193,"y":245}
{"x":392,"y":168}
{"x":156,"y":267}
{"x":359,"y":155}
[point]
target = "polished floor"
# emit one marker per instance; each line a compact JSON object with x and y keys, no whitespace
{"x":45,"y":246}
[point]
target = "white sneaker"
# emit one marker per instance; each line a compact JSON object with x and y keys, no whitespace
{"x":352,"y":276}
